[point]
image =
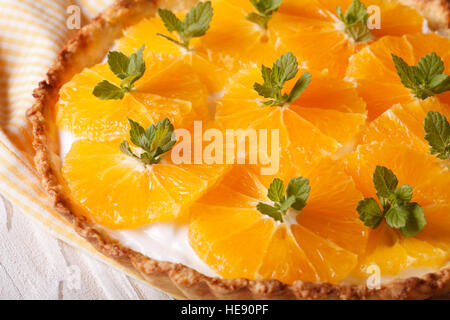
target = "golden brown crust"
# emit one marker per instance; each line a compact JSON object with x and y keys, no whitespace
{"x":88,"y":48}
{"x":437,"y":12}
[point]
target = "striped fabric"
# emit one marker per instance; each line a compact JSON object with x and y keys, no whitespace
{"x":31,"y":34}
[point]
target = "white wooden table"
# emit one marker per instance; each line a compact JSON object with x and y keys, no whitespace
{"x":35,"y":265}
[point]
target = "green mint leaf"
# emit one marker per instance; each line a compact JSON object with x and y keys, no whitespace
{"x":276,"y":190}
{"x":396,"y":217}
{"x":404,"y":193}
{"x":416,"y":221}
{"x":355,"y":20}
{"x":195,"y":23}
{"x":300,"y":86}
{"x":197,"y":20}
{"x":429,"y":66}
{"x":118,"y":63}
{"x":359,"y":32}
{"x":440,"y":83}
{"x":260,"y":20}
{"x":262,"y":90}
{"x":437,"y":133}
{"x":284,"y":69}
{"x":297,"y":193}
{"x":156,"y":140}
{"x":135,"y":71}
{"x":369,"y":212}
{"x":287,"y":203}
{"x":105,"y":90}
{"x":163,"y":138}
{"x":170,"y":20}
{"x":385,"y":181}
{"x":405,"y":72}
{"x":265,"y":8}
{"x":299,"y":189}
{"x":129,"y":69}
{"x":137,"y":135}
{"x":426,"y":78}
{"x":269,"y":211}
{"x":397,"y":209}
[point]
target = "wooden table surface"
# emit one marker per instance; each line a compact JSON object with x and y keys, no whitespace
{"x":35,"y":265}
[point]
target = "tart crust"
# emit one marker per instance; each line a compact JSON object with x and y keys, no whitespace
{"x":88,"y":48}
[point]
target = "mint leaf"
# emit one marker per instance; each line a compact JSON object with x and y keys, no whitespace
{"x":265,"y":9}
{"x":260,"y":20}
{"x":270,"y":211}
{"x":197,"y":20}
{"x":276,"y":190}
{"x":396,"y":217}
{"x":429,"y":66}
{"x":284,"y":69}
{"x":297,"y":193}
{"x":440,"y":83}
{"x":300,"y":86}
{"x":369,"y":212}
{"x":195,"y":23}
{"x":118,"y":63}
{"x":426,"y":79}
{"x":404,"y":193}
{"x":105,"y":90}
{"x":170,"y":20}
{"x":156,"y":140}
{"x":355,"y":21}
{"x":129,"y":69}
{"x":385,"y":181}
{"x":405,"y":72}
{"x":416,"y":221}
{"x":396,"y":208}
{"x":437,"y":133}
{"x":299,"y":189}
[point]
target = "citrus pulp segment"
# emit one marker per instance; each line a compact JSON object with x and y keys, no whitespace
{"x":225,"y":226}
{"x":212,"y":73}
{"x":313,"y":31}
{"x":152,"y":99}
{"x":119,"y":192}
{"x":374,"y":72}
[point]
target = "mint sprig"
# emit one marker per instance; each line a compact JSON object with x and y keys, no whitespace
{"x":437,"y":133}
{"x":355,"y":20}
{"x":297,"y":192}
{"x":195,"y":23}
{"x":424,"y":79}
{"x":156,"y":140}
{"x":284,"y":69}
{"x":396,"y":207}
{"x":265,"y":9}
{"x":129,"y":69}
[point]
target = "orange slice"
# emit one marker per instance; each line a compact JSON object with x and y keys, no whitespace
{"x":233,"y":40}
{"x":420,"y":170}
{"x":229,"y":234}
{"x":314,"y":33}
{"x":403,"y":124}
{"x":391,"y":252}
{"x":303,"y":137}
{"x":118,"y":191}
{"x":153,"y":98}
{"x":210,"y":71}
{"x":375,"y":74}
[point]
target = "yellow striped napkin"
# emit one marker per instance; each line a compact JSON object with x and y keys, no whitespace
{"x":31,"y":34}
